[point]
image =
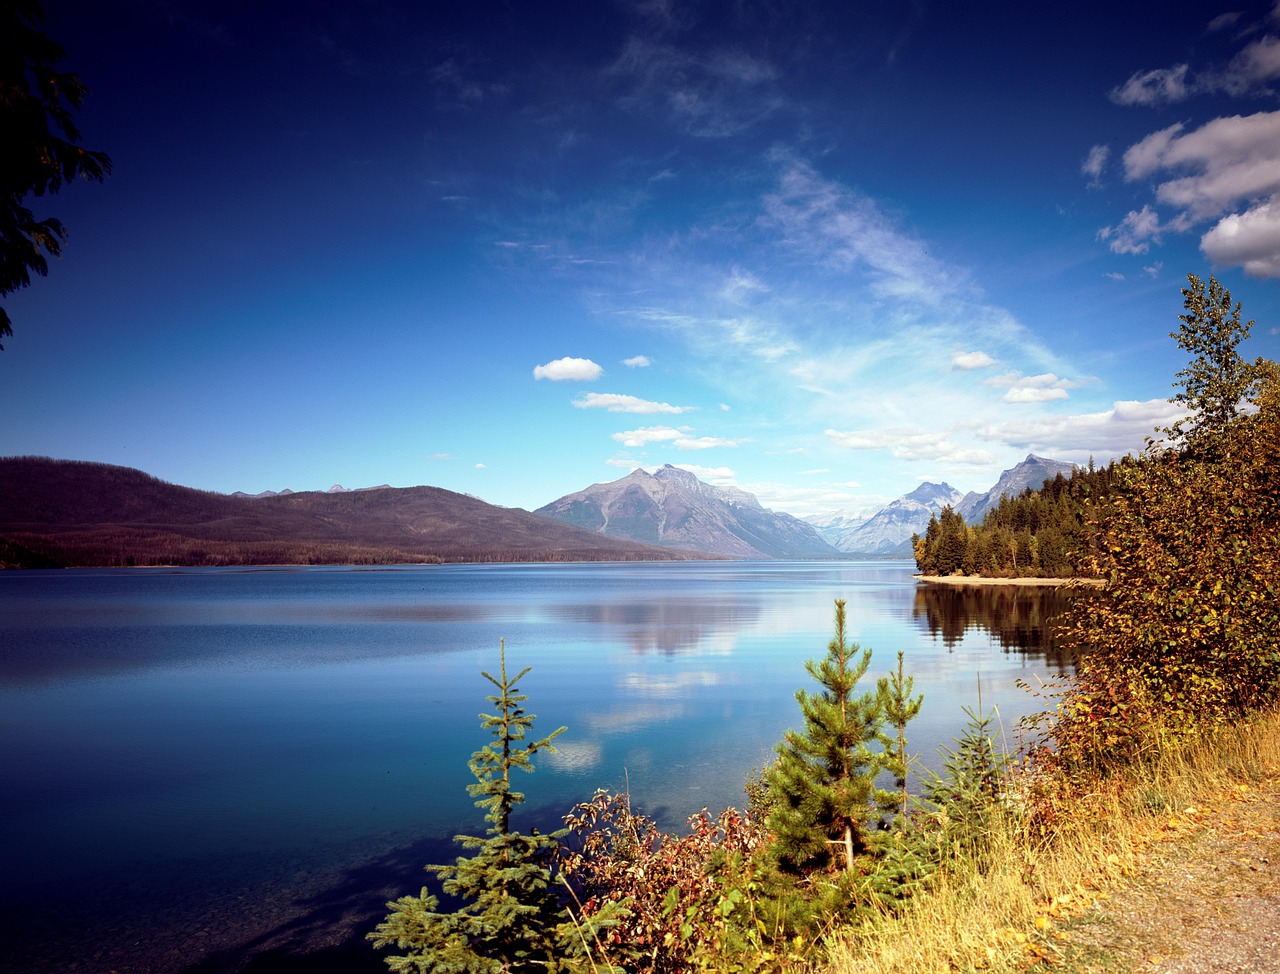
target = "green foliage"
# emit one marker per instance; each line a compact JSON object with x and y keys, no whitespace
{"x":1217,"y":382}
{"x":1040,"y":533}
{"x":969,"y":792}
{"x":899,"y":709}
{"x":823,"y":782}
{"x":1186,"y":631}
{"x":41,"y":145}
{"x":510,"y":918}
{"x":667,"y":903}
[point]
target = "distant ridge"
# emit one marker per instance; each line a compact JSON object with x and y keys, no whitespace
{"x":887,"y":532}
{"x":75,"y":513}
{"x":673,"y":508}
{"x":1031,"y":472}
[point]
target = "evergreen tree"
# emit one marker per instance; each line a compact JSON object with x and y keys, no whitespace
{"x":900,"y":708}
{"x":822,"y":784}
{"x":510,"y":920}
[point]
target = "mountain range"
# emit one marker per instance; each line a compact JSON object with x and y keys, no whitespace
{"x":673,"y":508}
{"x":888,"y":531}
{"x":64,"y":512}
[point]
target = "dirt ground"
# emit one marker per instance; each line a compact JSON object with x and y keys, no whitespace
{"x":1205,"y":899}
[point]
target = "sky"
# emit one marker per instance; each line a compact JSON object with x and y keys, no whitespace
{"x":821,"y":252}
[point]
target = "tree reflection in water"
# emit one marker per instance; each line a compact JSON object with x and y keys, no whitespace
{"x":1019,"y":618}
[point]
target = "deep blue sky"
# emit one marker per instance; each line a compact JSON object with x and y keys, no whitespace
{"x":820,"y":251}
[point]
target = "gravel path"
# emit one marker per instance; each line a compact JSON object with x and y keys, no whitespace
{"x":1207,"y":899}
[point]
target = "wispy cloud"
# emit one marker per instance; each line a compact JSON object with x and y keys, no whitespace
{"x":618,"y":403}
{"x":569,"y":370}
{"x":710,"y":94}
{"x":1095,"y":164}
{"x":637,"y":362}
{"x":848,"y":231}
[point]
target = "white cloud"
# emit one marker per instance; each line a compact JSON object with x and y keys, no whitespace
{"x":1095,"y":164}
{"x":1161,"y":86}
{"x":720,"y":476}
{"x":815,"y":472}
{"x":569,"y":369}
{"x":1114,"y":276}
{"x":637,"y":362}
{"x":1233,"y":162}
{"x":971,"y":360}
{"x":1153,"y":269}
{"x":679,"y":438}
{"x":1250,"y":239}
{"x":1046,"y":387}
{"x":704,"y":442}
{"x":1110,"y":433}
{"x":1135,"y":233}
{"x":482,"y":466}
{"x":617,"y":403}
{"x":725,"y":407}
{"x":1226,"y":171}
{"x":909,"y":444}
{"x":648,"y":434}
{"x":1238,"y":158}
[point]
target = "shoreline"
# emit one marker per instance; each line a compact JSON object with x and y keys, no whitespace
{"x":1028,"y":582}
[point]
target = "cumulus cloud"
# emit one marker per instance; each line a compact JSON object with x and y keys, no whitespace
{"x":637,"y":362}
{"x":909,"y":444}
{"x":1046,"y":387}
{"x":569,"y":369}
{"x":1233,"y":162}
{"x":1110,"y":433}
{"x":971,"y":360}
{"x":1250,"y":239}
{"x":1225,"y":172}
{"x":618,"y":403}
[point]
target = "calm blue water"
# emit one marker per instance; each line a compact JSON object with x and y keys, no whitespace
{"x":208,"y":770}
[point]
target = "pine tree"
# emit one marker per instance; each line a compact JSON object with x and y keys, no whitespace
{"x":822,"y":784}
{"x":899,"y":708}
{"x":511,"y":919}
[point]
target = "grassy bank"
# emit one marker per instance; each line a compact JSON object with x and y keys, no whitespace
{"x":1045,"y":896}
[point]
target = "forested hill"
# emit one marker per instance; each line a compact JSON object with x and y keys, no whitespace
{"x":73,"y":513}
{"x":1044,"y":532}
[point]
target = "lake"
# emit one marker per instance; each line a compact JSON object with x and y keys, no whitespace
{"x":211,"y":770}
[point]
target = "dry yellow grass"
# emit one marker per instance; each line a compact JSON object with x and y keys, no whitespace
{"x":1039,"y":903}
